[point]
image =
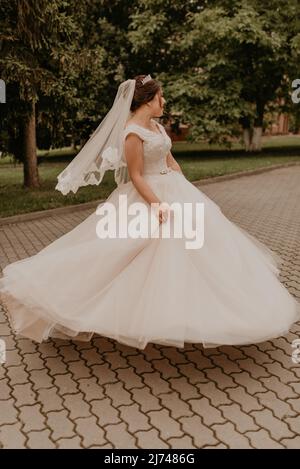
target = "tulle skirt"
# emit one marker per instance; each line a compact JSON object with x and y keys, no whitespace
{"x":151,"y":289}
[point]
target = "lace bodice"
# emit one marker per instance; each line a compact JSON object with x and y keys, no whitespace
{"x":156,"y":147}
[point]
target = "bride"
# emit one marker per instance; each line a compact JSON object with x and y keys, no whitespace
{"x":141,"y":289}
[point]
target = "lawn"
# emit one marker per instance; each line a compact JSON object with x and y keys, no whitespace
{"x":197,"y":162}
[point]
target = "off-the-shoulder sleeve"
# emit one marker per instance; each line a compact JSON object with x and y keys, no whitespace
{"x":132,"y":129}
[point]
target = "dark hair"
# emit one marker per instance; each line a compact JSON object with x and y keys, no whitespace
{"x":143,"y":93}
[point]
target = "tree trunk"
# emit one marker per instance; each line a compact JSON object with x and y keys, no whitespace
{"x":247,"y":138}
{"x":247,"y":133}
{"x":256,"y":144}
{"x":31,"y":175}
{"x":252,"y":136}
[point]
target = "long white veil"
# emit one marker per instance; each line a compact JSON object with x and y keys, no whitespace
{"x":104,"y":150}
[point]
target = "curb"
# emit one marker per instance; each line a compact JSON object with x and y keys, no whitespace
{"x":49,"y":212}
{"x":251,"y":172}
{"x":94,"y":203}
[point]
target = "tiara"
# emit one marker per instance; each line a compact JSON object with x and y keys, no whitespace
{"x":147,"y":78}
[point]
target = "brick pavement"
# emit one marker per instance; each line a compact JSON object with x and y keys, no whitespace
{"x":63,"y":394}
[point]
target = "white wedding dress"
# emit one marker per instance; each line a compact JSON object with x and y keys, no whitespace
{"x":155,"y":290}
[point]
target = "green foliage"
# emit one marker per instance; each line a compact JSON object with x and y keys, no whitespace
{"x":231,"y":60}
{"x":221,"y":62}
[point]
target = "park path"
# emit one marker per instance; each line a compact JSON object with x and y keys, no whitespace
{"x":63,"y":394}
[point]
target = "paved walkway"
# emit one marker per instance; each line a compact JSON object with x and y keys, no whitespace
{"x":103,"y":394}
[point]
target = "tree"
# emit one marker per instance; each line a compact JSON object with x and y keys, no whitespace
{"x":229,"y":60}
{"x":62,"y":61}
{"x":223,"y":65}
{"x":33,"y":37}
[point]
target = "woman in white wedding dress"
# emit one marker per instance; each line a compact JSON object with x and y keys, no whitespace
{"x":151,"y":289}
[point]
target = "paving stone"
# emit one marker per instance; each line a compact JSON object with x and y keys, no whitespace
{"x":69,"y":443}
{"x":261,"y":439}
{"x":183,"y":442}
{"x":77,"y":406}
{"x":167,"y":426}
{"x":40,"y":440}
{"x":277,"y":428}
{"x":101,"y":394}
{"x":50,"y":400}
{"x":146,"y":399}
{"x":105,"y":412}
{"x":60,"y":424}
{"x":229,"y":435}
{"x":207,"y":411}
{"x":135,"y":418}
{"x":243,"y":421}
{"x":177,"y":406}
{"x":8,"y":413}
{"x":150,"y":439}
{"x":12,"y":437}
{"x":291,"y":443}
{"x":31,"y":417}
{"x":90,"y":388}
{"x":201,"y":434}
{"x":24,"y":394}
{"x":120,"y":437}
{"x":90,"y":431}
{"x":118,"y":394}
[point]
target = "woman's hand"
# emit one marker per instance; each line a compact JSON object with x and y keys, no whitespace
{"x":164,"y":212}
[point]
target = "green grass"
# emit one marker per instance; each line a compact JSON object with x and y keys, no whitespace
{"x":284,"y":145}
{"x":15,"y":199}
{"x":277,"y":142}
{"x":207,"y":167}
{"x":65,"y":154}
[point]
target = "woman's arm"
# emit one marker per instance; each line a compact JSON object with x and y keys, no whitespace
{"x":134,"y":157}
{"x":172,"y":163}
